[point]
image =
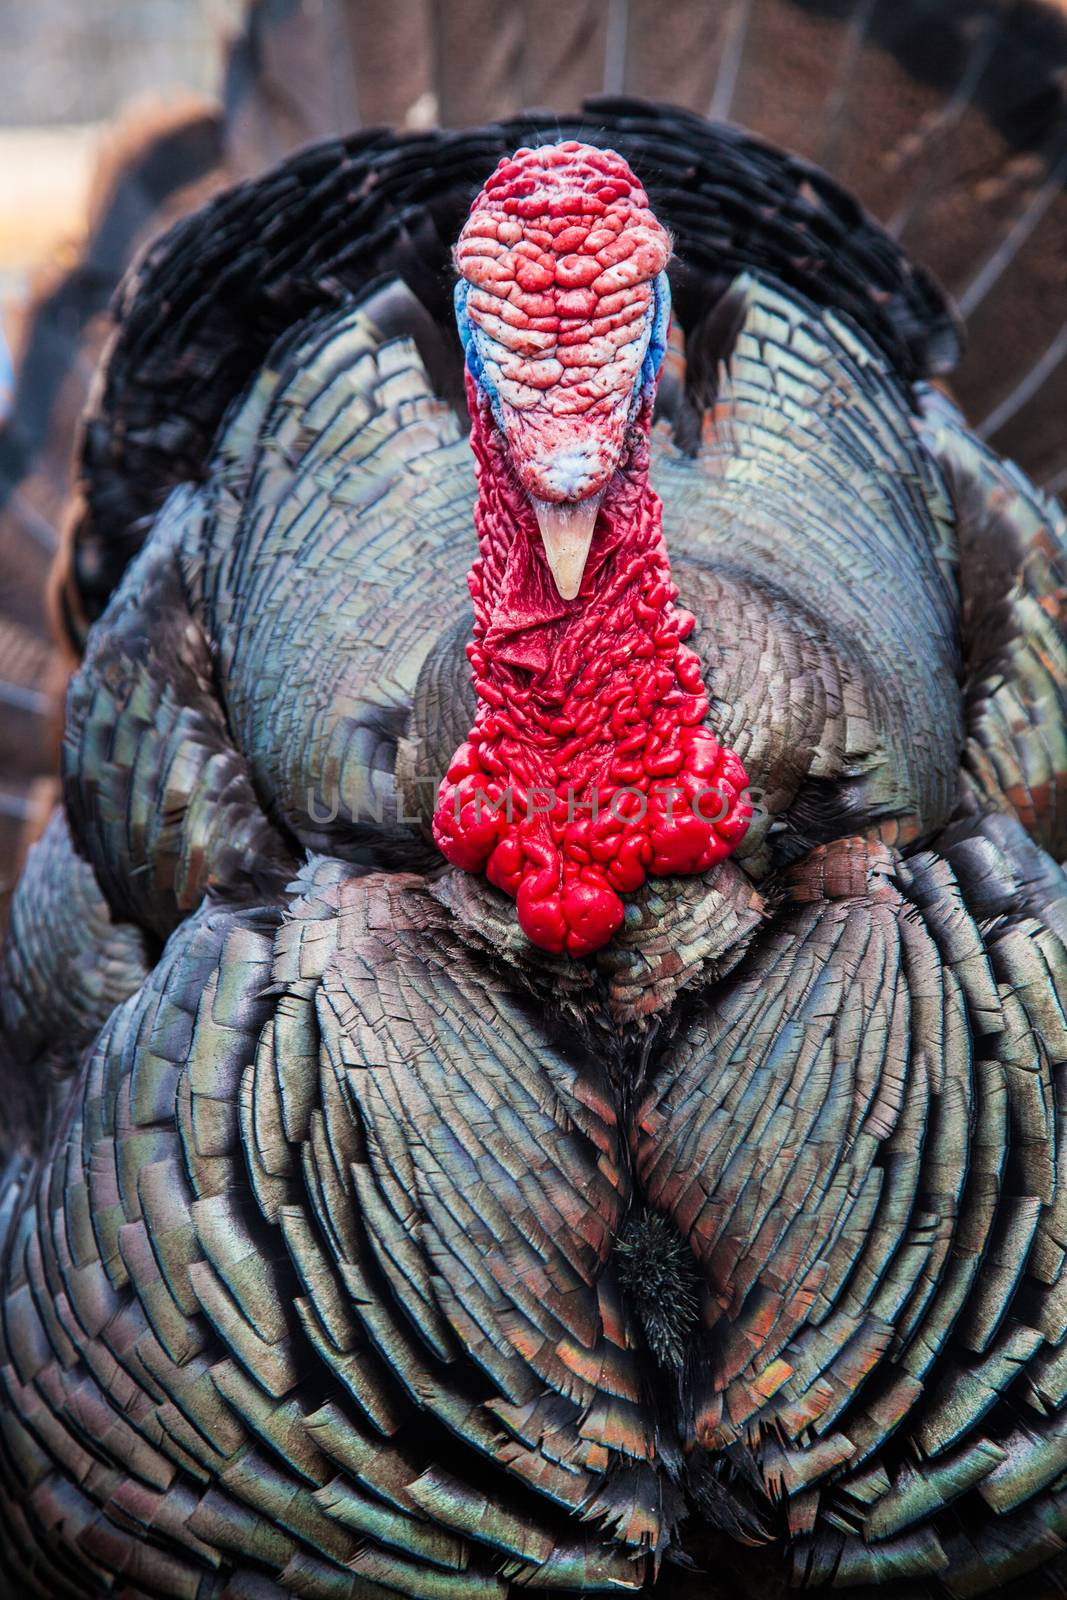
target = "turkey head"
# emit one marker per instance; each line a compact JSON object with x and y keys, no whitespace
{"x":589,"y":765}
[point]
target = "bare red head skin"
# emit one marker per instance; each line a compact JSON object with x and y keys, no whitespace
{"x":589,"y":766}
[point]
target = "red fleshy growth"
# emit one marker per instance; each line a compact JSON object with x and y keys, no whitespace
{"x":588,"y":767}
{"x":583,"y":169}
{"x":560,"y":253}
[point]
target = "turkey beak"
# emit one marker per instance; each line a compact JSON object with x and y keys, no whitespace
{"x":567,"y":532}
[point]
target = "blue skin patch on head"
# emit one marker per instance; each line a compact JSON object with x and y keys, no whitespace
{"x":459,"y":300}
{"x":661,"y":321}
{"x":659,"y":318}
{"x":475,"y":365}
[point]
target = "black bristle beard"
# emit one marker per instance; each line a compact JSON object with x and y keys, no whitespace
{"x":658,"y":1277}
{"x":724,"y":1488}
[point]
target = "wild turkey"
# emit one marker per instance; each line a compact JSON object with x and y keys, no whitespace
{"x":373,"y":1248}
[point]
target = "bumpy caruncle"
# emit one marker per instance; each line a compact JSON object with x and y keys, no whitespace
{"x":589,"y":765}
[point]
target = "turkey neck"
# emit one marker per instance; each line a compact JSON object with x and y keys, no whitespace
{"x":541,"y":652}
{"x":587,"y":766}
{"x":577,"y":698}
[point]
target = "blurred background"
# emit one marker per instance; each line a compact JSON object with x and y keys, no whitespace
{"x":66,"y":68}
{"x":945,"y":117}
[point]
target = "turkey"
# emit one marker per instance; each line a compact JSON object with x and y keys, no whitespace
{"x":409,"y":1195}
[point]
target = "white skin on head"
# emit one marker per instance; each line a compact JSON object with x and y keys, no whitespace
{"x":561,"y":335}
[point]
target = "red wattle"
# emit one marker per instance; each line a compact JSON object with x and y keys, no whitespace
{"x":588,"y":767}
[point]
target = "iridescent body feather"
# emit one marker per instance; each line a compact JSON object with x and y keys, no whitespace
{"x":323,"y":1280}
